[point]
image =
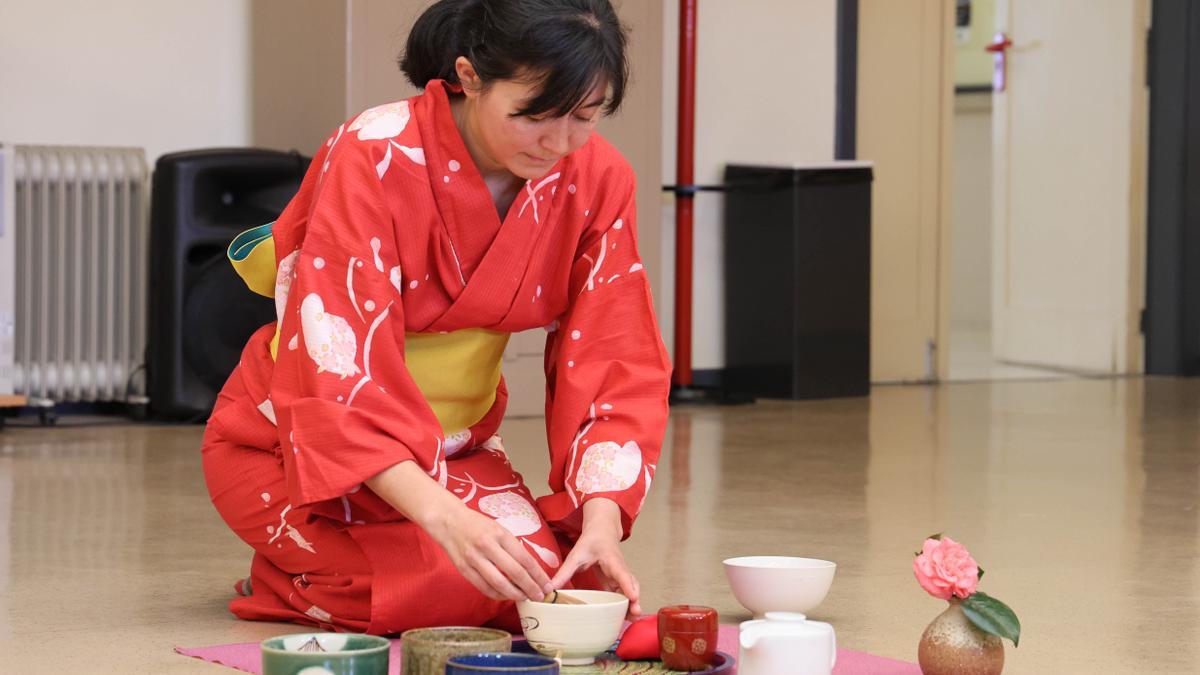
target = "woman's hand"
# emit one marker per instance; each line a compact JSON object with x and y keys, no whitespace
{"x":600,"y":545}
{"x":488,"y":555}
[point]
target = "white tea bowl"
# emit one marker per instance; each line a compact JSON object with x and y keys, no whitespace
{"x":779,"y":583}
{"x":576,"y":634}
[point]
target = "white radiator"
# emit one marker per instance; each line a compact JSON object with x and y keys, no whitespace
{"x":73,"y":267}
{"x":8,"y":279}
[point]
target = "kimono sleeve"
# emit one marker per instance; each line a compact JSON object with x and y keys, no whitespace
{"x":346,"y":405}
{"x":607,"y":376}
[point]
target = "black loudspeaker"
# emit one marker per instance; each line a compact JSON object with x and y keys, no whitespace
{"x":201,"y":312}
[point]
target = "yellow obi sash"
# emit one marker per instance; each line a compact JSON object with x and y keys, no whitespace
{"x":457,"y":372}
{"x":253,"y":256}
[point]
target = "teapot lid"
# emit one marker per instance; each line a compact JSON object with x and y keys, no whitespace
{"x":786,"y":623}
{"x":789,"y":617}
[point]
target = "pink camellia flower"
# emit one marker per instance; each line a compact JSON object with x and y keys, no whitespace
{"x":944,"y":568}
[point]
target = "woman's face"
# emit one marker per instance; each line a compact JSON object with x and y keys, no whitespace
{"x":526,"y":146}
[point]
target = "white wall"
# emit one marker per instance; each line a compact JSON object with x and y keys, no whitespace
{"x":766,"y":71}
{"x":174,"y":74}
{"x":164,"y":74}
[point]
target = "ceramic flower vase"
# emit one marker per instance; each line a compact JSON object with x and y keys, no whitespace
{"x":952,"y":645}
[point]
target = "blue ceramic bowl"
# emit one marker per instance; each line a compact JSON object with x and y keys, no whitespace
{"x":479,"y":664}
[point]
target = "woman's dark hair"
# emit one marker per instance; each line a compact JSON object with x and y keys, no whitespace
{"x":566,"y":46}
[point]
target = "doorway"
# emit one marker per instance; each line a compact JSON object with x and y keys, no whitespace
{"x":971,"y":356}
{"x":1047,"y":230}
{"x":1059,"y":258}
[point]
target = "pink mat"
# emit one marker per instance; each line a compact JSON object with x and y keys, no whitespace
{"x":245,"y":656}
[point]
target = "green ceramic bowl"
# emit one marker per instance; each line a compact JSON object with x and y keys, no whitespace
{"x":325,"y":654}
{"x":425,"y":650}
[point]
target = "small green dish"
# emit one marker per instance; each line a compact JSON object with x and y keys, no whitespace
{"x":325,"y":654}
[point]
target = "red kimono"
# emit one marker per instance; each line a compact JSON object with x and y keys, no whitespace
{"x":396,"y":286}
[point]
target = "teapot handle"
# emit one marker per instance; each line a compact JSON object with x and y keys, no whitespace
{"x":833,"y":644}
{"x":749,"y":633}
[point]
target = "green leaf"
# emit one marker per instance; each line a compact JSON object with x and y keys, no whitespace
{"x":992,"y":616}
{"x":980,"y":572}
{"x":935,"y":537}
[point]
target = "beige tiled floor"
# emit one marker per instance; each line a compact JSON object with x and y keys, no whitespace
{"x":1079,"y":497}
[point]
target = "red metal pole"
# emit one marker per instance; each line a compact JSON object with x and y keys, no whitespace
{"x":684,"y":176}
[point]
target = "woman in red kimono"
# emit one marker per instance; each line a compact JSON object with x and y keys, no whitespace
{"x":356,"y":445}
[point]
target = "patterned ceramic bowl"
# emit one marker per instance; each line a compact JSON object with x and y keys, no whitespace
{"x":325,"y":654}
{"x":425,"y":650}
{"x":574,"y":633}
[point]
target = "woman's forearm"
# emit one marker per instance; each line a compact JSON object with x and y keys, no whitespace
{"x":603,"y":516}
{"x":414,"y":494}
{"x":422,"y":500}
{"x":482,"y":550}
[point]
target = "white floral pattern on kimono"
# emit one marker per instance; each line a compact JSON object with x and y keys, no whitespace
{"x":384,"y":121}
{"x":457,"y":442}
{"x":330,"y":341}
{"x":319,"y":614}
{"x":283,"y":282}
{"x":397,"y":280}
{"x":608,"y":467}
{"x":512,"y":511}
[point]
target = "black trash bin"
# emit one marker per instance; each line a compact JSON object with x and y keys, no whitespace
{"x":798,"y":280}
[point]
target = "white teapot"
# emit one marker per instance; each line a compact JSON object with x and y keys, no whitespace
{"x":786,"y":643}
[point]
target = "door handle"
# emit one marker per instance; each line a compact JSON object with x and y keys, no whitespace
{"x":999,"y":51}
